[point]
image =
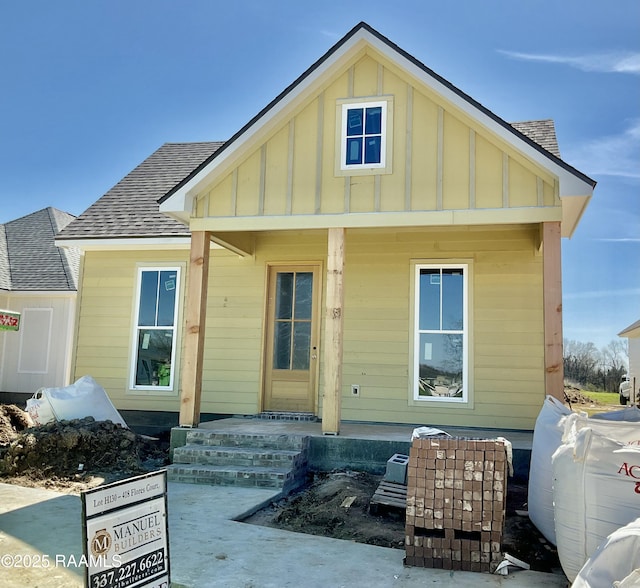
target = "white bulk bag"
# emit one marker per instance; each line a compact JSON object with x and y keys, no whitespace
{"x":625,"y":431}
{"x":596,"y":490}
{"x":83,"y":398}
{"x":614,"y":560}
{"x":547,"y":437}
{"x":630,"y":414}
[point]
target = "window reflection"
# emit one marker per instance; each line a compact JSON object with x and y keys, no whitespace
{"x":155,"y":329}
{"x":292,"y":321}
{"x":440,"y":348}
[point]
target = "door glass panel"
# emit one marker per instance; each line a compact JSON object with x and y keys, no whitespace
{"x":292,"y":321}
{"x":304,"y":284}
{"x":284,"y":295}
{"x":301,"y":345}
{"x":282,"y":345}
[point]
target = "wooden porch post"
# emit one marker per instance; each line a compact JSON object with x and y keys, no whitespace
{"x":333,"y":335}
{"x":552,"y":285}
{"x":195,"y":313}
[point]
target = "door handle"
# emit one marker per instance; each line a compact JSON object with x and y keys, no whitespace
{"x":314,"y":356}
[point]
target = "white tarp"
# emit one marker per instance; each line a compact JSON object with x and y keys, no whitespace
{"x":83,"y":398}
{"x":596,"y":490}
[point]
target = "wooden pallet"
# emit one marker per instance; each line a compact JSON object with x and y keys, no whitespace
{"x":389,"y":494}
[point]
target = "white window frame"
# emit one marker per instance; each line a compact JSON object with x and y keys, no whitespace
{"x":465,"y":332}
{"x":386,"y":141}
{"x":160,"y":390}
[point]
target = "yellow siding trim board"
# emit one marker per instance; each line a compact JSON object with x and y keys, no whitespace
{"x":290,"y":153}
{"x":263,"y":171}
{"x":472,"y":168}
{"x":408,"y":152}
{"x":234,"y":192}
{"x":524,"y":215}
{"x":505,"y":180}
{"x":319,"y":155}
{"x":440,"y":158}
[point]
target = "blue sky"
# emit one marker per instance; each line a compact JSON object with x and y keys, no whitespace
{"x":90,"y":89}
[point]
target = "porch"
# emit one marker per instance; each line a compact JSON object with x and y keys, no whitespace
{"x":360,"y":446}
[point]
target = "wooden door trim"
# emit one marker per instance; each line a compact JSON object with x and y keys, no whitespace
{"x":267,"y":339}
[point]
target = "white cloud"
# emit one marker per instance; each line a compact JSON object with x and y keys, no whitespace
{"x":613,"y":155}
{"x":620,"y":62}
{"x":621,"y":292}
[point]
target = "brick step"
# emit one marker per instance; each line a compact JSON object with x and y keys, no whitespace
{"x":239,"y":456}
{"x":244,"y":476}
{"x":255,"y":440}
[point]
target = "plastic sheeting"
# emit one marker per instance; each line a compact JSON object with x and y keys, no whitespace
{"x":85,"y":397}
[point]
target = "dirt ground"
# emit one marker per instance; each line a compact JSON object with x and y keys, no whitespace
{"x":72,"y":456}
{"x":326,"y":508}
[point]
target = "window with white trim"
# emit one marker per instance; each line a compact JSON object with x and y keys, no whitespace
{"x":155,"y":328}
{"x":364,"y":136}
{"x":441,"y":333}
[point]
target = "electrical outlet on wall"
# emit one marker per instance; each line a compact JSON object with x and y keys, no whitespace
{"x":355,"y":389}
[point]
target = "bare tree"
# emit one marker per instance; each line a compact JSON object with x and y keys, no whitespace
{"x":597,"y":369}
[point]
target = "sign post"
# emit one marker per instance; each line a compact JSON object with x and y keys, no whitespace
{"x":126,"y":533}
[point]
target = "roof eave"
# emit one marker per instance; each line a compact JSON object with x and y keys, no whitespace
{"x":138,"y":243}
{"x":632,"y":331}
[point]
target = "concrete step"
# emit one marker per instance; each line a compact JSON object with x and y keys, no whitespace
{"x":239,"y":456}
{"x":256,"y":440}
{"x":256,"y":477}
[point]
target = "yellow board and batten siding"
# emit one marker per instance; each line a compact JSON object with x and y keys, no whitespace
{"x":442,"y":160}
{"x":507,"y":323}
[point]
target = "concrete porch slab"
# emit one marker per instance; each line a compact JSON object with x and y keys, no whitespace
{"x":360,"y":446}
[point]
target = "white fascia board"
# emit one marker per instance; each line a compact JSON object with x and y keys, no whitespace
{"x":141,"y":243}
{"x":434,"y":218}
{"x":181,"y":200}
{"x":41,"y":294}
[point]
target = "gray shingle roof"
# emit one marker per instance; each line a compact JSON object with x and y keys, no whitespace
{"x":29,"y":259}
{"x":130,"y":208}
{"x":543,"y":132}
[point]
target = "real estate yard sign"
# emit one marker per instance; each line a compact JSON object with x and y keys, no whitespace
{"x":126,"y":541}
{"x":9,"y":320}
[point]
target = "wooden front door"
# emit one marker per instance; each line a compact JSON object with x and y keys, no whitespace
{"x":291,"y":362}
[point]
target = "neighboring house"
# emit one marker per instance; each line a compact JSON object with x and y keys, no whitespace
{"x":632,"y":333}
{"x":40,"y":281}
{"x":374,"y":245}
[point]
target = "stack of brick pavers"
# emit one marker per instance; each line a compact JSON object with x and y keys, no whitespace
{"x":456,"y":490}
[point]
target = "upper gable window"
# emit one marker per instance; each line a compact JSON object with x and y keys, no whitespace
{"x":364,"y":137}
